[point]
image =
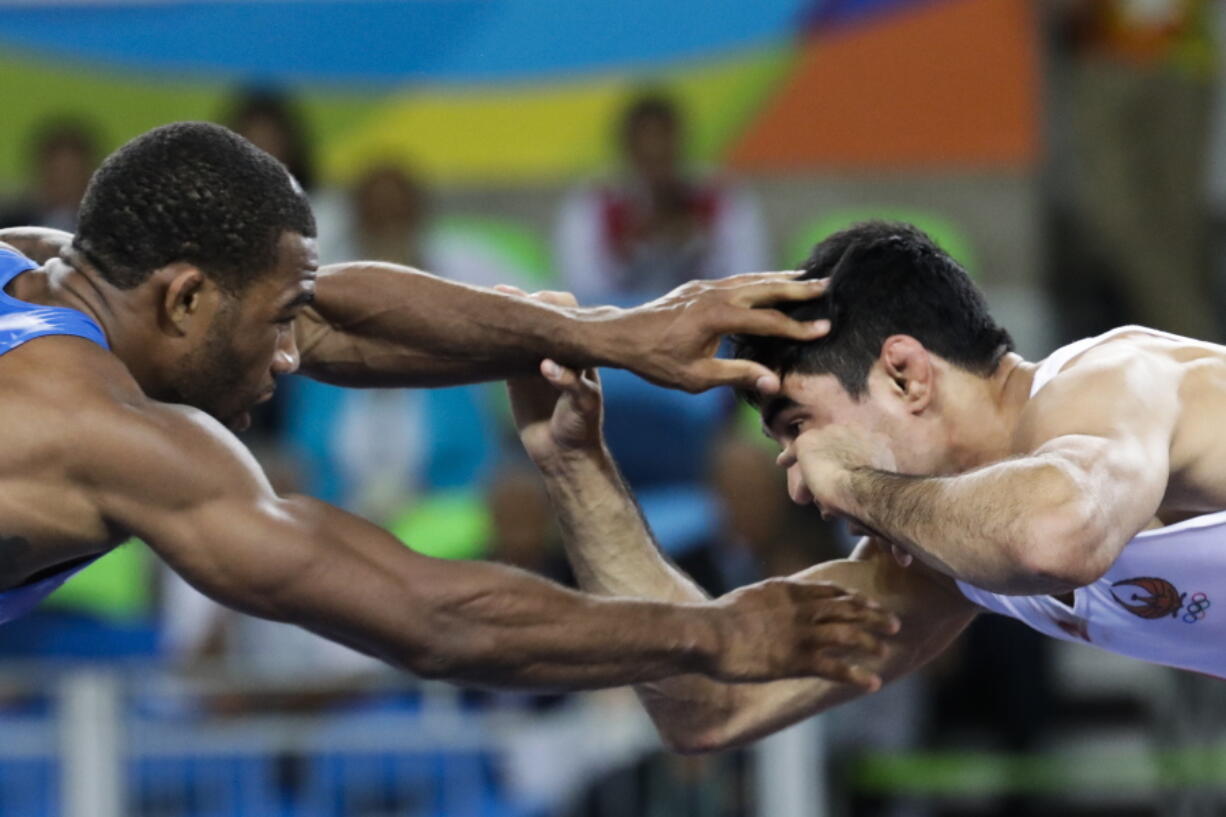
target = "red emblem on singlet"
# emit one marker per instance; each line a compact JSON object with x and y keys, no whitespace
{"x":1148,"y":597}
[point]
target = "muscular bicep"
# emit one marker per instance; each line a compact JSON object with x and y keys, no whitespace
{"x":1107,"y":421}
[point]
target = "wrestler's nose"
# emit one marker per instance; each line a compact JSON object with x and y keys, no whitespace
{"x":286,"y":359}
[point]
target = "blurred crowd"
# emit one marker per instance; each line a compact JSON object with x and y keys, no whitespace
{"x":1130,"y":235}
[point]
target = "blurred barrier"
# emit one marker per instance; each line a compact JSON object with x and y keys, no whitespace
{"x":140,"y":742}
{"x":91,"y":744}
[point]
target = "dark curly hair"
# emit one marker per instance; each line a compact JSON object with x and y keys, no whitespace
{"x":194,"y":192}
{"x":886,"y":278}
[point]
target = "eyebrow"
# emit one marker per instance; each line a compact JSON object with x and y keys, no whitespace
{"x":303,"y":297}
{"x":773,"y":408}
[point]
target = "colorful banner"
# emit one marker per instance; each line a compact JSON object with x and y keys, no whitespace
{"x":515,"y":91}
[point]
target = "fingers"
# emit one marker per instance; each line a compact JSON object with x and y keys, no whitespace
{"x":834,"y":669}
{"x":774,"y":323}
{"x":855,"y":610}
{"x":510,"y":290}
{"x":750,"y":278}
{"x":743,"y":374}
{"x":828,"y":603}
{"x":555,"y":297}
{"x":772,"y":291}
{"x":582,"y":389}
{"x":862,"y":619}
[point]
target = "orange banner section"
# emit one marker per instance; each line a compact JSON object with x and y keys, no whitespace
{"x":954,"y":82}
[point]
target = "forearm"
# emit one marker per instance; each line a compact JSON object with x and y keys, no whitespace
{"x":506,"y":628}
{"x":612,"y":551}
{"x":608,"y":543}
{"x":485,"y":623}
{"x":385,"y":325}
{"x":1004,"y":528}
{"x":39,"y":244}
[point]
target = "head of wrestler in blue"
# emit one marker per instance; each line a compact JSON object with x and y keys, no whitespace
{"x":209,"y":245}
{"x":909,"y":356}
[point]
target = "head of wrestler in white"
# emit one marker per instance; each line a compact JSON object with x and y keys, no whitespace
{"x":203,"y":248}
{"x":911,"y":370}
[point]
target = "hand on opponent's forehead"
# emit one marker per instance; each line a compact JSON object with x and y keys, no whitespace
{"x":677,"y":335}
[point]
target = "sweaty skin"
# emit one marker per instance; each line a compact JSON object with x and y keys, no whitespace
{"x":1126,"y":435}
{"x":93,"y":453}
{"x":1044,"y":492}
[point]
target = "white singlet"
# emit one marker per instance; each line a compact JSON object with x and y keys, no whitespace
{"x":1160,"y":601}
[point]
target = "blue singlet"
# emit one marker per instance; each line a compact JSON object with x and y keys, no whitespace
{"x":20,"y":322}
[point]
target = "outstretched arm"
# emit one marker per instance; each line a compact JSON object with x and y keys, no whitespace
{"x":179,"y":481}
{"x":376,"y":324}
{"x":1093,"y":468}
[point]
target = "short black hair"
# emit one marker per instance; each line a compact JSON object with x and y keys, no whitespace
{"x":194,"y":192}
{"x":886,"y":278}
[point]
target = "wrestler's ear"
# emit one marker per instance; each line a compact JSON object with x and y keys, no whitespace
{"x":909,"y":367}
{"x":187,"y":298}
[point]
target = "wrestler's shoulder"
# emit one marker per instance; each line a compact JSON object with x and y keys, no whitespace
{"x":59,"y":382}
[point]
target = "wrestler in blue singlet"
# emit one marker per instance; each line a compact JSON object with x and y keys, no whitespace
{"x":20,"y":322}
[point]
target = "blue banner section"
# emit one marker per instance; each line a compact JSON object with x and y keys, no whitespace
{"x":447,"y":41}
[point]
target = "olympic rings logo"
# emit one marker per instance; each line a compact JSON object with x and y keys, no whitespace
{"x":1198,"y":608}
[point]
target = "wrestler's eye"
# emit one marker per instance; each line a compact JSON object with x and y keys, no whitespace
{"x":793,"y":429}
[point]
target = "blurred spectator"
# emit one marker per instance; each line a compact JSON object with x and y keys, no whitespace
{"x":658,"y":224}
{"x":1138,"y":77}
{"x":273,"y":122}
{"x":522,"y":528}
{"x":63,"y":153}
{"x":388,"y":217}
{"x":382,"y":453}
{"x":759,"y":515}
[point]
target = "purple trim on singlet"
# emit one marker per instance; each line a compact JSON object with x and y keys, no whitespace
{"x":17,"y":602}
{"x":21,"y":322}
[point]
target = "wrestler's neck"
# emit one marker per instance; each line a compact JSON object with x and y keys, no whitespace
{"x":982,"y":413}
{"x":122,"y":314}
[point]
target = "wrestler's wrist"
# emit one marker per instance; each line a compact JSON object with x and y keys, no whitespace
{"x":569,"y":461}
{"x":701,"y":635}
{"x":849,"y":495}
{"x":605,"y":337}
